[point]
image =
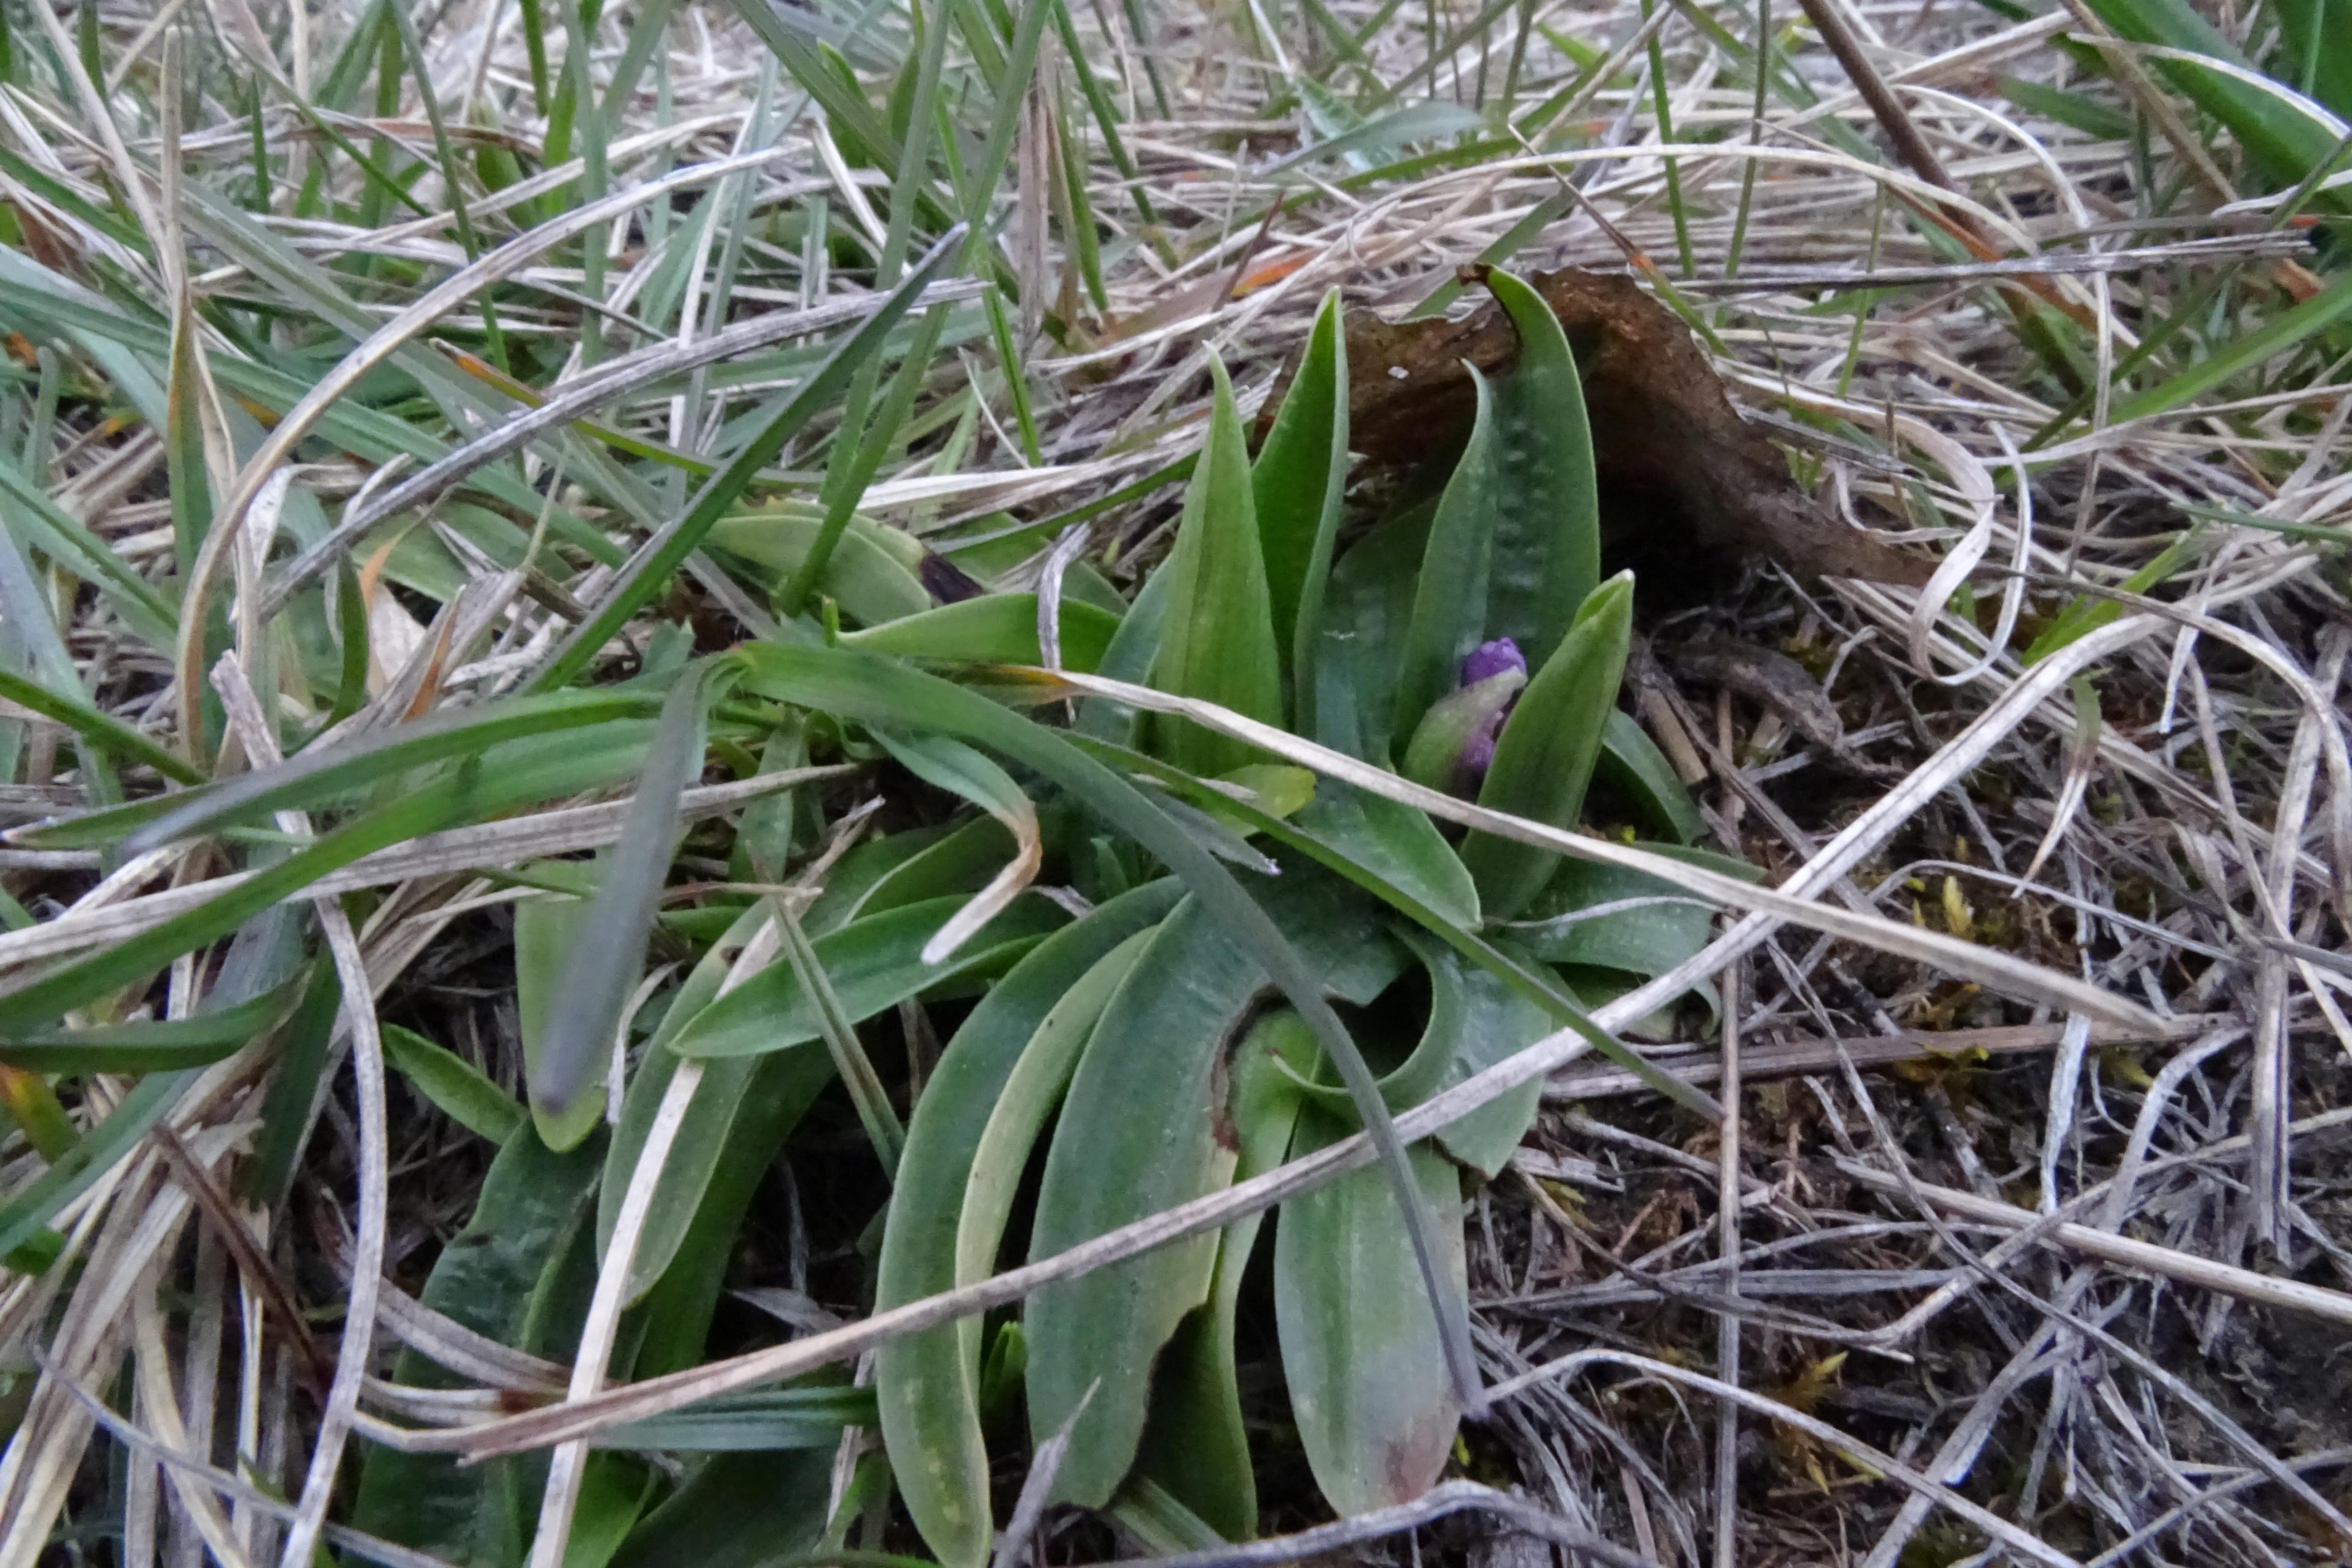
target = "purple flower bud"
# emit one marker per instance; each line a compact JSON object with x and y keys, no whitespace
{"x":1490,"y":658}
{"x":1478,"y":749}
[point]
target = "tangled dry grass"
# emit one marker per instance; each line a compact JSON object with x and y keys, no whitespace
{"x":1996,"y":1285}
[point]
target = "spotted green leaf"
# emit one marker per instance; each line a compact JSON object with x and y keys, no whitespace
{"x":1296,"y":484}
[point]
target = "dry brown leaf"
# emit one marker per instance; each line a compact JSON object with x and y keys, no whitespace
{"x":1680,"y":470}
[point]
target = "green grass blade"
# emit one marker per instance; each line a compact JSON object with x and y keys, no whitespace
{"x":607,"y":953}
{"x":719,"y":493}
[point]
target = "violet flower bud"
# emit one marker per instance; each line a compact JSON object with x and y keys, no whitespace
{"x":1490,"y":658}
{"x":1455,"y":743}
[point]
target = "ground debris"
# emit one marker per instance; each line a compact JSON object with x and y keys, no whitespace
{"x":1678,"y":466}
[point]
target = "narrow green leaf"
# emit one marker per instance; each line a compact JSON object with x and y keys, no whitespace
{"x":1631,"y":762}
{"x":928,"y":1383}
{"x":326,"y":775}
{"x":606,"y":956}
{"x":159,"y":1046}
{"x":456,"y":1088}
{"x":1547,"y":550}
{"x":24,"y":1217}
{"x":872,"y":964}
{"x":100,"y":730}
{"x":1218,"y":641}
{"x":995,"y":629}
{"x":1544,"y":757}
{"x":1195,"y":1443}
{"x":2275,"y":336}
{"x":1160,"y":1042}
{"x":747,"y":1135}
{"x":1450,"y":599}
{"x":1297,"y":485}
{"x":546,"y":933}
{"x":1364,"y":1361}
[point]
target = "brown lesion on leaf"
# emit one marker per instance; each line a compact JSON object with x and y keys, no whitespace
{"x":1683,"y":479}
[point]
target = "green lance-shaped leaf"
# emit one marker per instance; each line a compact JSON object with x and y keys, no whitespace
{"x":105,"y":732}
{"x":1516,"y":544}
{"x":1195,"y":1445}
{"x":333,"y":773}
{"x":869,"y":574}
{"x":872,"y":964}
{"x":1300,"y":476}
{"x":162,"y":1045}
{"x":1363,"y":1359}
{"x":710,"y":1116}
{"x":995,"y":629}
{"x":1450,"y":598}
{"x":928,"y":1383}
{"x":1218,"y":641}
{"x":1546,"y":552}
{"x":1160,"y":1044}
{"x":605,"y":956}
{"x":456,"y":1087}
{"x":773,"y":1093}
{"x":1544,"y":757}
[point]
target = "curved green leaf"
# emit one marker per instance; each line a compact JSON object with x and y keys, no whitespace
{"x":1297,"y":485}
{"x":457,"y":1088}
{"x":1450,"y":597}
{"x":1547,"y":551}
{"x":1363,"y":1359}
{"x":926,"y":1382}
{"x":1160,"y":1042}
{"x":1195,"y":1446}
{"x":995,"y":629}
{"x":1631,"y":762}
{"x":1544,"y":757}
{"x":1218,"y":642}
{"x":872,"y":964}
{"x":868,"y":579}
{"x":311,"y":779}
{"x":603,"y":954}
{"x":160,"y":1045}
